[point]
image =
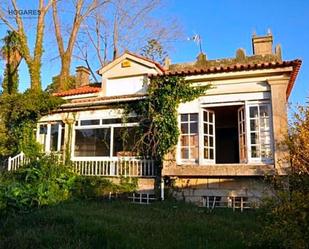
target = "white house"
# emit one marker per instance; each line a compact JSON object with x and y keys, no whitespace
{"x":230,"y":138}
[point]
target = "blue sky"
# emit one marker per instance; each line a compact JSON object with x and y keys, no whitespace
{"x":224,"y":26}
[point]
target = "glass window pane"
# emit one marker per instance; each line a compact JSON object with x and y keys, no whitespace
{"x":112,"y":121}
{"x":264,"y":111}
{"x":211,"y":141}
{"x":264,"y":123}
{"x":184,"y":128}
{"x":90,"y":122}
{"x":265,"y":138}
{"x":206,"y":141}
{"x":43,"y":129}
{"x":43,"y":135}
{"x":193,"y":152}
{"x":206,"y":154}
{"x":266,"y":152}
{"x":194,"y":140}
{"x":210,"y":117}
{"x":92,"y":142}
{"x":184,"y":117}
{"x":193,"y":117}
{"x":253,"y":112}
{"x":211,"y":154}
{"x":205,"y":116}
{"x":184,"y":140}
{"x":205,"y":129}
{"x":254,"y":138}
{"x":62,"y":138}
{"x":193,"y":127}
{"x":125,"y":139}
{"x":211,"y":131}
{"x":184,"y":153}
{"x":254,"y":126}
{"x":254,"y":151}
{"x":54,"y":133}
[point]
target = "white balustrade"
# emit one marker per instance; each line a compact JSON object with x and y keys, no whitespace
{"x":15,"y":162}
{"x":114,"y":167}
{"x":130,"y":167}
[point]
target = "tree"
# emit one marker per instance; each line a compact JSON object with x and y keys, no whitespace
{"x":127,"y":25}
{"x":154,"y":51}
{"x":11,"y":52}
{"x":285,"y":215}
{"x":298,"y":142}
{"x":82,"y":11}
{"x":33,"y":60}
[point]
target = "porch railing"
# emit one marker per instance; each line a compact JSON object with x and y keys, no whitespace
{"x":130,"y":167}
{"x":15,"y":162}
{"x":115,"y":167}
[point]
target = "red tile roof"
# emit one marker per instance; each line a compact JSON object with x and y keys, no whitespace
{"x":241,"y":67}
{"x":106,"y":98}
{"x":232,"y":68}
{"x":80,"y":90}
{"x":296,"y":68}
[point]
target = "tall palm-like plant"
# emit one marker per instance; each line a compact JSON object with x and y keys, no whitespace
{"x":11,"y":53}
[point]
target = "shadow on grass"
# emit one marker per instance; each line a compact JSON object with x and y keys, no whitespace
{"x":119,"y":224}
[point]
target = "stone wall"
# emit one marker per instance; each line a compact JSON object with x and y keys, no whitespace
{"x":195,"y":189}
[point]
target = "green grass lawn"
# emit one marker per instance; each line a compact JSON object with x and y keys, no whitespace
{"x":118,"y":224}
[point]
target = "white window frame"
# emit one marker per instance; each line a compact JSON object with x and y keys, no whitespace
{"x":183,"y":160}
{"x":111,"y":126}
{"x":246,"y":104}
{"x":47,"y":147}
{"x":260,"y":159}
{"x":207,"y":161}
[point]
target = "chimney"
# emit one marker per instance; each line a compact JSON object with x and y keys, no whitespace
{"x":167,"y":63}
{"x":82,"y":76}
{"x":201,"y":57}
{"x":262,"y":45}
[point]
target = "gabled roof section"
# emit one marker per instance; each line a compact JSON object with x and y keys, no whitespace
{"x":93,"y":88}
{"x":134,"y":58}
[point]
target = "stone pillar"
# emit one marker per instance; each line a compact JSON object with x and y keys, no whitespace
{"x":280,"y":123}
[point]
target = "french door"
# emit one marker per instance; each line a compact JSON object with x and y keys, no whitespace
{"x":242,"y":135}
{"x":208,"y":137}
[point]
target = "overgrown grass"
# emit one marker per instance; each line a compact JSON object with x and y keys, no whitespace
{"x":118,"y":224}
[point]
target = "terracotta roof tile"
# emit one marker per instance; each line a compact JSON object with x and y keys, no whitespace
{"x":80,"y":90}
{"x":230,"y":68}
{"x":106,"y":98}
{"x":239,"y":67}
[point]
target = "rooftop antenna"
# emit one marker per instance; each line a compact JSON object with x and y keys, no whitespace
{"x":254,"y":32}
{"x":198,"y":39}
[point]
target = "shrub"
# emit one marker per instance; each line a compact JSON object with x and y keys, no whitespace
{"x":91,"y":187}
{"x":285,"y":222}
{"x":41,"y":182}
{"x":88,"y":187}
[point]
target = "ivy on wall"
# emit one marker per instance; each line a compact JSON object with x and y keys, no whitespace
{"x":158,"y":114}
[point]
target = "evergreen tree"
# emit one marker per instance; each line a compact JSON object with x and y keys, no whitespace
{"x":154,"y":51}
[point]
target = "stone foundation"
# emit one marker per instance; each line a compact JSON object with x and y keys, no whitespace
{"x":196,"y":190}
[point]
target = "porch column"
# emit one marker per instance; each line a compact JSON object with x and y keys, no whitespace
{"x":280,"y":124}
{"x":68,"y":136}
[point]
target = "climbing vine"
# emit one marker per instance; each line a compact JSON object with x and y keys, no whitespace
{"x":19,"y":114}
{"x":158,"y":130}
